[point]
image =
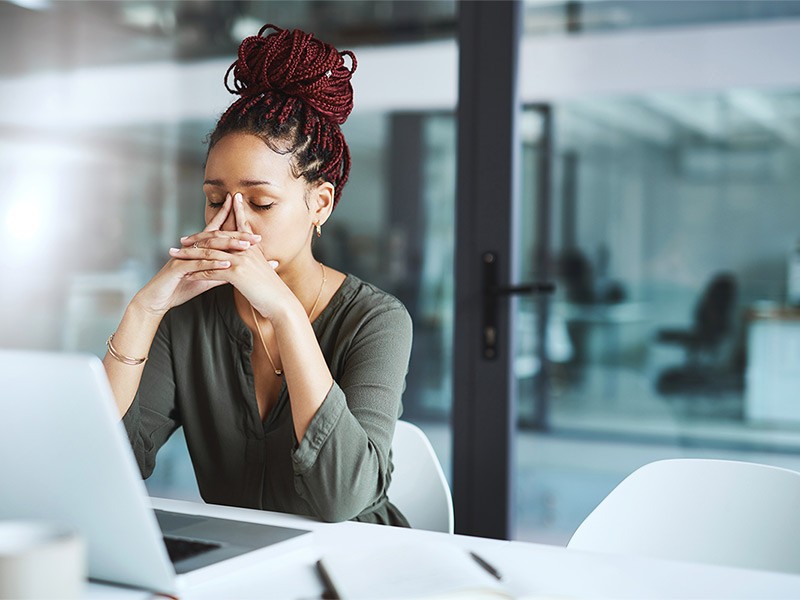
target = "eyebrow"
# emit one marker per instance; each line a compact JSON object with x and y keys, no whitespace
{"x":243,"y":183}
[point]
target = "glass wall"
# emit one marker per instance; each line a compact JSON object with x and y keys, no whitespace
{"x":675,"y":330}
{"x":672,"y":227}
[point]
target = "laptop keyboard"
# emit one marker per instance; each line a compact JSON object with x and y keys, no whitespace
{"x":180,"y":548}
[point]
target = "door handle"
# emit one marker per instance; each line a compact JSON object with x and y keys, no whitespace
{"x":493,"y":292}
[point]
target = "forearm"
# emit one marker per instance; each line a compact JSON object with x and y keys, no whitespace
{"x":342,"y":472}
{"x":308,"y":378}
{"x":341,"y":466}
{"x":133,"y":338}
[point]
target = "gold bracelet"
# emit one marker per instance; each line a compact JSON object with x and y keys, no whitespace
{"x":121,"y":357}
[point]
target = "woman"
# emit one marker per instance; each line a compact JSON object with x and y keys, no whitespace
{"x":285,"y":374}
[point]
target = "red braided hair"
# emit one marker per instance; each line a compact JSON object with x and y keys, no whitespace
{"x":294,"y":93}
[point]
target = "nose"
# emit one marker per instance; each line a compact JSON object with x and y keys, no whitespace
{"x":230,"y":222}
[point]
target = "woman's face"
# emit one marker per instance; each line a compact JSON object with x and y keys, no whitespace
{"x":275,"y":201}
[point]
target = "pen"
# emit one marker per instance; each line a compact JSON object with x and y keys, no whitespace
{"x":491,"y":570}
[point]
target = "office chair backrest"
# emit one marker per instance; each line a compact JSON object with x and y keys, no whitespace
{"x":714,"y":312}
{"x":419,"y":488}
{"x":712,"y":511}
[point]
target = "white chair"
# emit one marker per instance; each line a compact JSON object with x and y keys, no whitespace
{"x":419,"y":488}
{"x":711,"y":511}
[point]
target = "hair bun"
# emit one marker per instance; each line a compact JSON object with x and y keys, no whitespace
{"x":297,"y":64}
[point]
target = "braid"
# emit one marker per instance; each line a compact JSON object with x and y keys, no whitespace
{"x":294,"y":92}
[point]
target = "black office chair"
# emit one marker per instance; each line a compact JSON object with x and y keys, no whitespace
{"x":705,"y":369}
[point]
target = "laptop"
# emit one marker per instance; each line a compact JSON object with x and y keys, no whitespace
{"x":65,"y":457}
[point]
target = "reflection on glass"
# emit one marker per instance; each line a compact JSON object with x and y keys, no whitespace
{"x":671,"y":333}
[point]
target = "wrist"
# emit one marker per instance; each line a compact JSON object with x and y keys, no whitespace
{"x":288,"y":315}
{"x":130,"y":343}
{"x":140,"y":310}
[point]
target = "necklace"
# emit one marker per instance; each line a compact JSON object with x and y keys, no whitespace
{"x":319,"y":293}
{"x":279,"y":372}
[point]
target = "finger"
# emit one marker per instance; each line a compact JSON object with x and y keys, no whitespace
{"x":203,"y":239}
{"x":199,"y":254}
{"x":213,"y":265}
{"x":203,"y":265}
{"x":226,"y":243}
{"x":219,"y":218}
{"x":238,"y":212}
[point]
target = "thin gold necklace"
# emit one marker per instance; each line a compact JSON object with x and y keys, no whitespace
{"x":279,"y":372}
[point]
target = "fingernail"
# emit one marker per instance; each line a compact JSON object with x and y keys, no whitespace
{"x":227,"y":196}
{"x":186,"y":237}
{"x":256,"y":237}
{"x":243,"y":243}
{"x":224,"y":263}
{"x":174,"y":250}
{"x":238,"y":197}
{"x":273,"y":264}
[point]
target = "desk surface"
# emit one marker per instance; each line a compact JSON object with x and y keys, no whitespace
{"x":529,"y":570}
{"x":773,"y":312}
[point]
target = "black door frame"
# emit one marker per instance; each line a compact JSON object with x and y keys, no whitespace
{"x":487,"y":190}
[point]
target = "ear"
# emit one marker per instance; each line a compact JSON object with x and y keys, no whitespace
{"x":321,"y":202}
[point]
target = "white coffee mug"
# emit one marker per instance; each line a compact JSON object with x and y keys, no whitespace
{"x":41,"y":560}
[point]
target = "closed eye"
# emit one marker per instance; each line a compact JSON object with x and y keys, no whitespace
{"x":262,"y":206}
{"x":215,"y":204}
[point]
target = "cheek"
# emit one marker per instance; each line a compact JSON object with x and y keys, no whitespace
{"x":279,"y":233}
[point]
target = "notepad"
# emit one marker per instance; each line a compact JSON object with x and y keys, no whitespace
{"x":409,"y":570}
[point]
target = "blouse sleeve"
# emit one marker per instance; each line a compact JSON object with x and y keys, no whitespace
{"x":341,"y":467}
{"x":153,"y":415}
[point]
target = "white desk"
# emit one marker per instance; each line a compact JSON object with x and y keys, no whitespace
{"x":530,"y":570}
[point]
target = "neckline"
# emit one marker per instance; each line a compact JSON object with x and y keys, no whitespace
{"x":238,"y":329}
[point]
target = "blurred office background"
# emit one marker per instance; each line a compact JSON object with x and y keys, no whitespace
{"x":675,"y":209}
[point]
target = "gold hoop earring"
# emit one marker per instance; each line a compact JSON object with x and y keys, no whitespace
{"x":318,"y":227}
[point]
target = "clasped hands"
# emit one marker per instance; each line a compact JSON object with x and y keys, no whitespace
{"x":214,"y":257}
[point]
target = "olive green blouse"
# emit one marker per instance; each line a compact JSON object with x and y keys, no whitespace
{"x":199,"y":377}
